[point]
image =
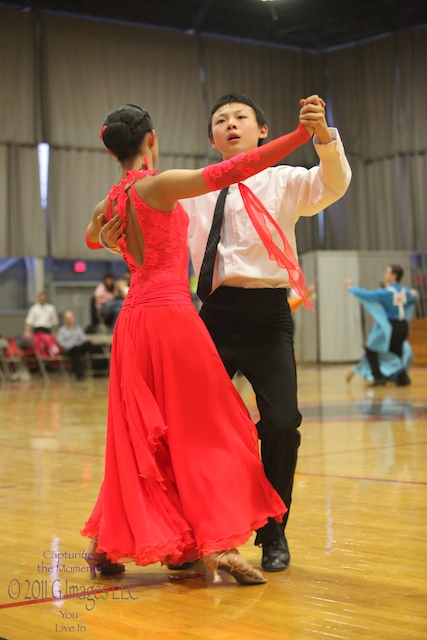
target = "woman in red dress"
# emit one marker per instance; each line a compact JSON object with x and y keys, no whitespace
{"x":183,"y":477}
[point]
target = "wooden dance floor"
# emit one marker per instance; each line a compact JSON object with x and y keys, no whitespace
{"x":357,"y":530}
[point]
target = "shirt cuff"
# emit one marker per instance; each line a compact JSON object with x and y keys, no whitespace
{"x":334,"y":135}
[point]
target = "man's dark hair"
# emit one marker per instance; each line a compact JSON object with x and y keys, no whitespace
{"x":398,"y":271}
{"x":229,"y":98}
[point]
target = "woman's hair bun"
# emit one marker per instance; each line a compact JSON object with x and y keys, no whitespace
{"x":117,"y":137}
{"x":124,"y":130}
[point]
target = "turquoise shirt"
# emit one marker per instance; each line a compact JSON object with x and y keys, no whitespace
{"x":394,"y":299}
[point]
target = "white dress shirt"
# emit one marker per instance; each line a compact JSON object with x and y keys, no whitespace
{"x":42,"y":315}
{"x":287,"y":193}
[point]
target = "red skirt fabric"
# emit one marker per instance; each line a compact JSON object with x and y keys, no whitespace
{"x":183,"y":476}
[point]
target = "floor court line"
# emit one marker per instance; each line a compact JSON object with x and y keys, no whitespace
{"x":361,"y":418}
{"x":364,"y":478}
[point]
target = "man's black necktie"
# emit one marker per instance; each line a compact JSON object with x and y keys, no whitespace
{"x":204,"y":286}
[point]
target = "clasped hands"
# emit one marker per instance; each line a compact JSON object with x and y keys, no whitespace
{"x":313,"y":117}
{"x":111,"y":231}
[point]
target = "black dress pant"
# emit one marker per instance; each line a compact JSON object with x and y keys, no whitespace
{"x":399,"y":333}
{"x":252,"y":330}
{"x":77,"y":354}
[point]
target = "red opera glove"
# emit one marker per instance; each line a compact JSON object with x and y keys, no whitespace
{"x":90,"y":244}
{"x":247,"y":164}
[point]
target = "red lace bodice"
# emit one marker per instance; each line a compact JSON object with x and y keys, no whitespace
{"x":165,"y":267}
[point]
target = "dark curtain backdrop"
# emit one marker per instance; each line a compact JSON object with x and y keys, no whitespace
{"x":67,"y":74}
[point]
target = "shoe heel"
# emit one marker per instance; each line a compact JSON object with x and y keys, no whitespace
{"x":89,"y":556}
{"x":211,"y":563}
{"x":92,"y":566}
{"x":100,"y":562}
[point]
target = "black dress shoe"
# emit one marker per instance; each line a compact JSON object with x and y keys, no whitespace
{"x":181,"y":567}
{"x":402,"y":379}
{"x":275,"y":555}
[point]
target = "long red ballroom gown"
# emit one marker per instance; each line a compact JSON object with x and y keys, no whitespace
{"x":183,"y":476}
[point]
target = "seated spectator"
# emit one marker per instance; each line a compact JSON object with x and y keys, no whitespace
{"x":108,"y":300}
{"x":41,"y":325}
{"x":72,"y":340}
{"x":42,"y":317}
{"x":122,"y":284}
{"x":13,"y":365}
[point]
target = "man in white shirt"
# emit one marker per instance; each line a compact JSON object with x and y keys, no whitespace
{"x":247,"y":312}
{"x":42,"y":317}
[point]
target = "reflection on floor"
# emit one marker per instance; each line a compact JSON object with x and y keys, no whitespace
{"x":384,"y":408}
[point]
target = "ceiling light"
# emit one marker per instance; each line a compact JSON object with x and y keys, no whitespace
{"x":272,"y":10}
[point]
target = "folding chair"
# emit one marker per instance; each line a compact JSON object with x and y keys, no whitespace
{"x":12,"y":363}
{"x":47,"y":351}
